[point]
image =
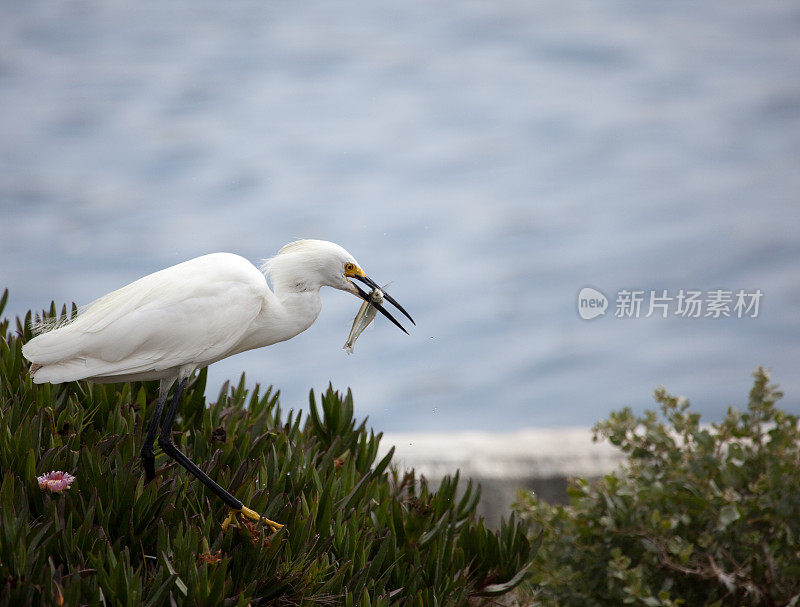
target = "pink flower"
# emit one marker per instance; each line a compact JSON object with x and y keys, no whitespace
{"x":55,"y":481}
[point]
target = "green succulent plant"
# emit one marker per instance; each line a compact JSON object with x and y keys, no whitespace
{"x":359,"y":531}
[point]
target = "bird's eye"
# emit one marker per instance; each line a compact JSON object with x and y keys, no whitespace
{"x":349,"y":267}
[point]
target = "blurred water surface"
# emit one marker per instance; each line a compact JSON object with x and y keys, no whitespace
{"x":490,"y":158}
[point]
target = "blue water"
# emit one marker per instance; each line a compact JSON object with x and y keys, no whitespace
{"x":490,"y":158}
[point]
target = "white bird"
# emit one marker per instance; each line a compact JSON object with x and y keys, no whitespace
{"x":183,"y":318}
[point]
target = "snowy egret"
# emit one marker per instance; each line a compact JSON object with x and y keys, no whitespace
{"x":183,"y":318}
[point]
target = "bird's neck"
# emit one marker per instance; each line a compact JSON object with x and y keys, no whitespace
{"x":298,"y":309}
{"x":284,"y":314}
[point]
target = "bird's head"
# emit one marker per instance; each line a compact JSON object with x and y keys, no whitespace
{"x":306,"y":265}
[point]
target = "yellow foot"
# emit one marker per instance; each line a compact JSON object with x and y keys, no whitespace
{"x":235,"y":515}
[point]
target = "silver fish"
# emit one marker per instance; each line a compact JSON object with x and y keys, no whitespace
{"x":366,"y":314}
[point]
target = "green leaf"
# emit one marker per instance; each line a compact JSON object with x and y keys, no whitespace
{"x":728,"y":514}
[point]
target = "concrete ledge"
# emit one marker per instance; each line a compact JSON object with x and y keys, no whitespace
{"x":538,"y":460}
{"x":529,"y":453}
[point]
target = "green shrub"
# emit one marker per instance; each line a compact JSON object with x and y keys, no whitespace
{"x":358,"y":532}
{"x":698,"y":515}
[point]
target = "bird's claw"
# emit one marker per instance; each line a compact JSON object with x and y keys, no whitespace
{"x":238,"y":516}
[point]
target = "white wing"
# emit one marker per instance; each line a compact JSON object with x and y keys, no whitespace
{"x":190,"y":314}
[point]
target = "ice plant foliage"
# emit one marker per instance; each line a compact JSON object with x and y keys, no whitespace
{"x":210,"y":558}
{"x":360,"y":533}
{"x":55,"y":481}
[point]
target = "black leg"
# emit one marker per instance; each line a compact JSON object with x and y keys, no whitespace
{"x":148,"y":459}
{"x":166,"y":444}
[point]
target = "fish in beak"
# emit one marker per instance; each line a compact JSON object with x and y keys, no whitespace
{"x":366,"y":296}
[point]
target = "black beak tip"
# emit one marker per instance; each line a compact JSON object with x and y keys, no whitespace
{"x":367,"y":280}
{"x":366,"y":297}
